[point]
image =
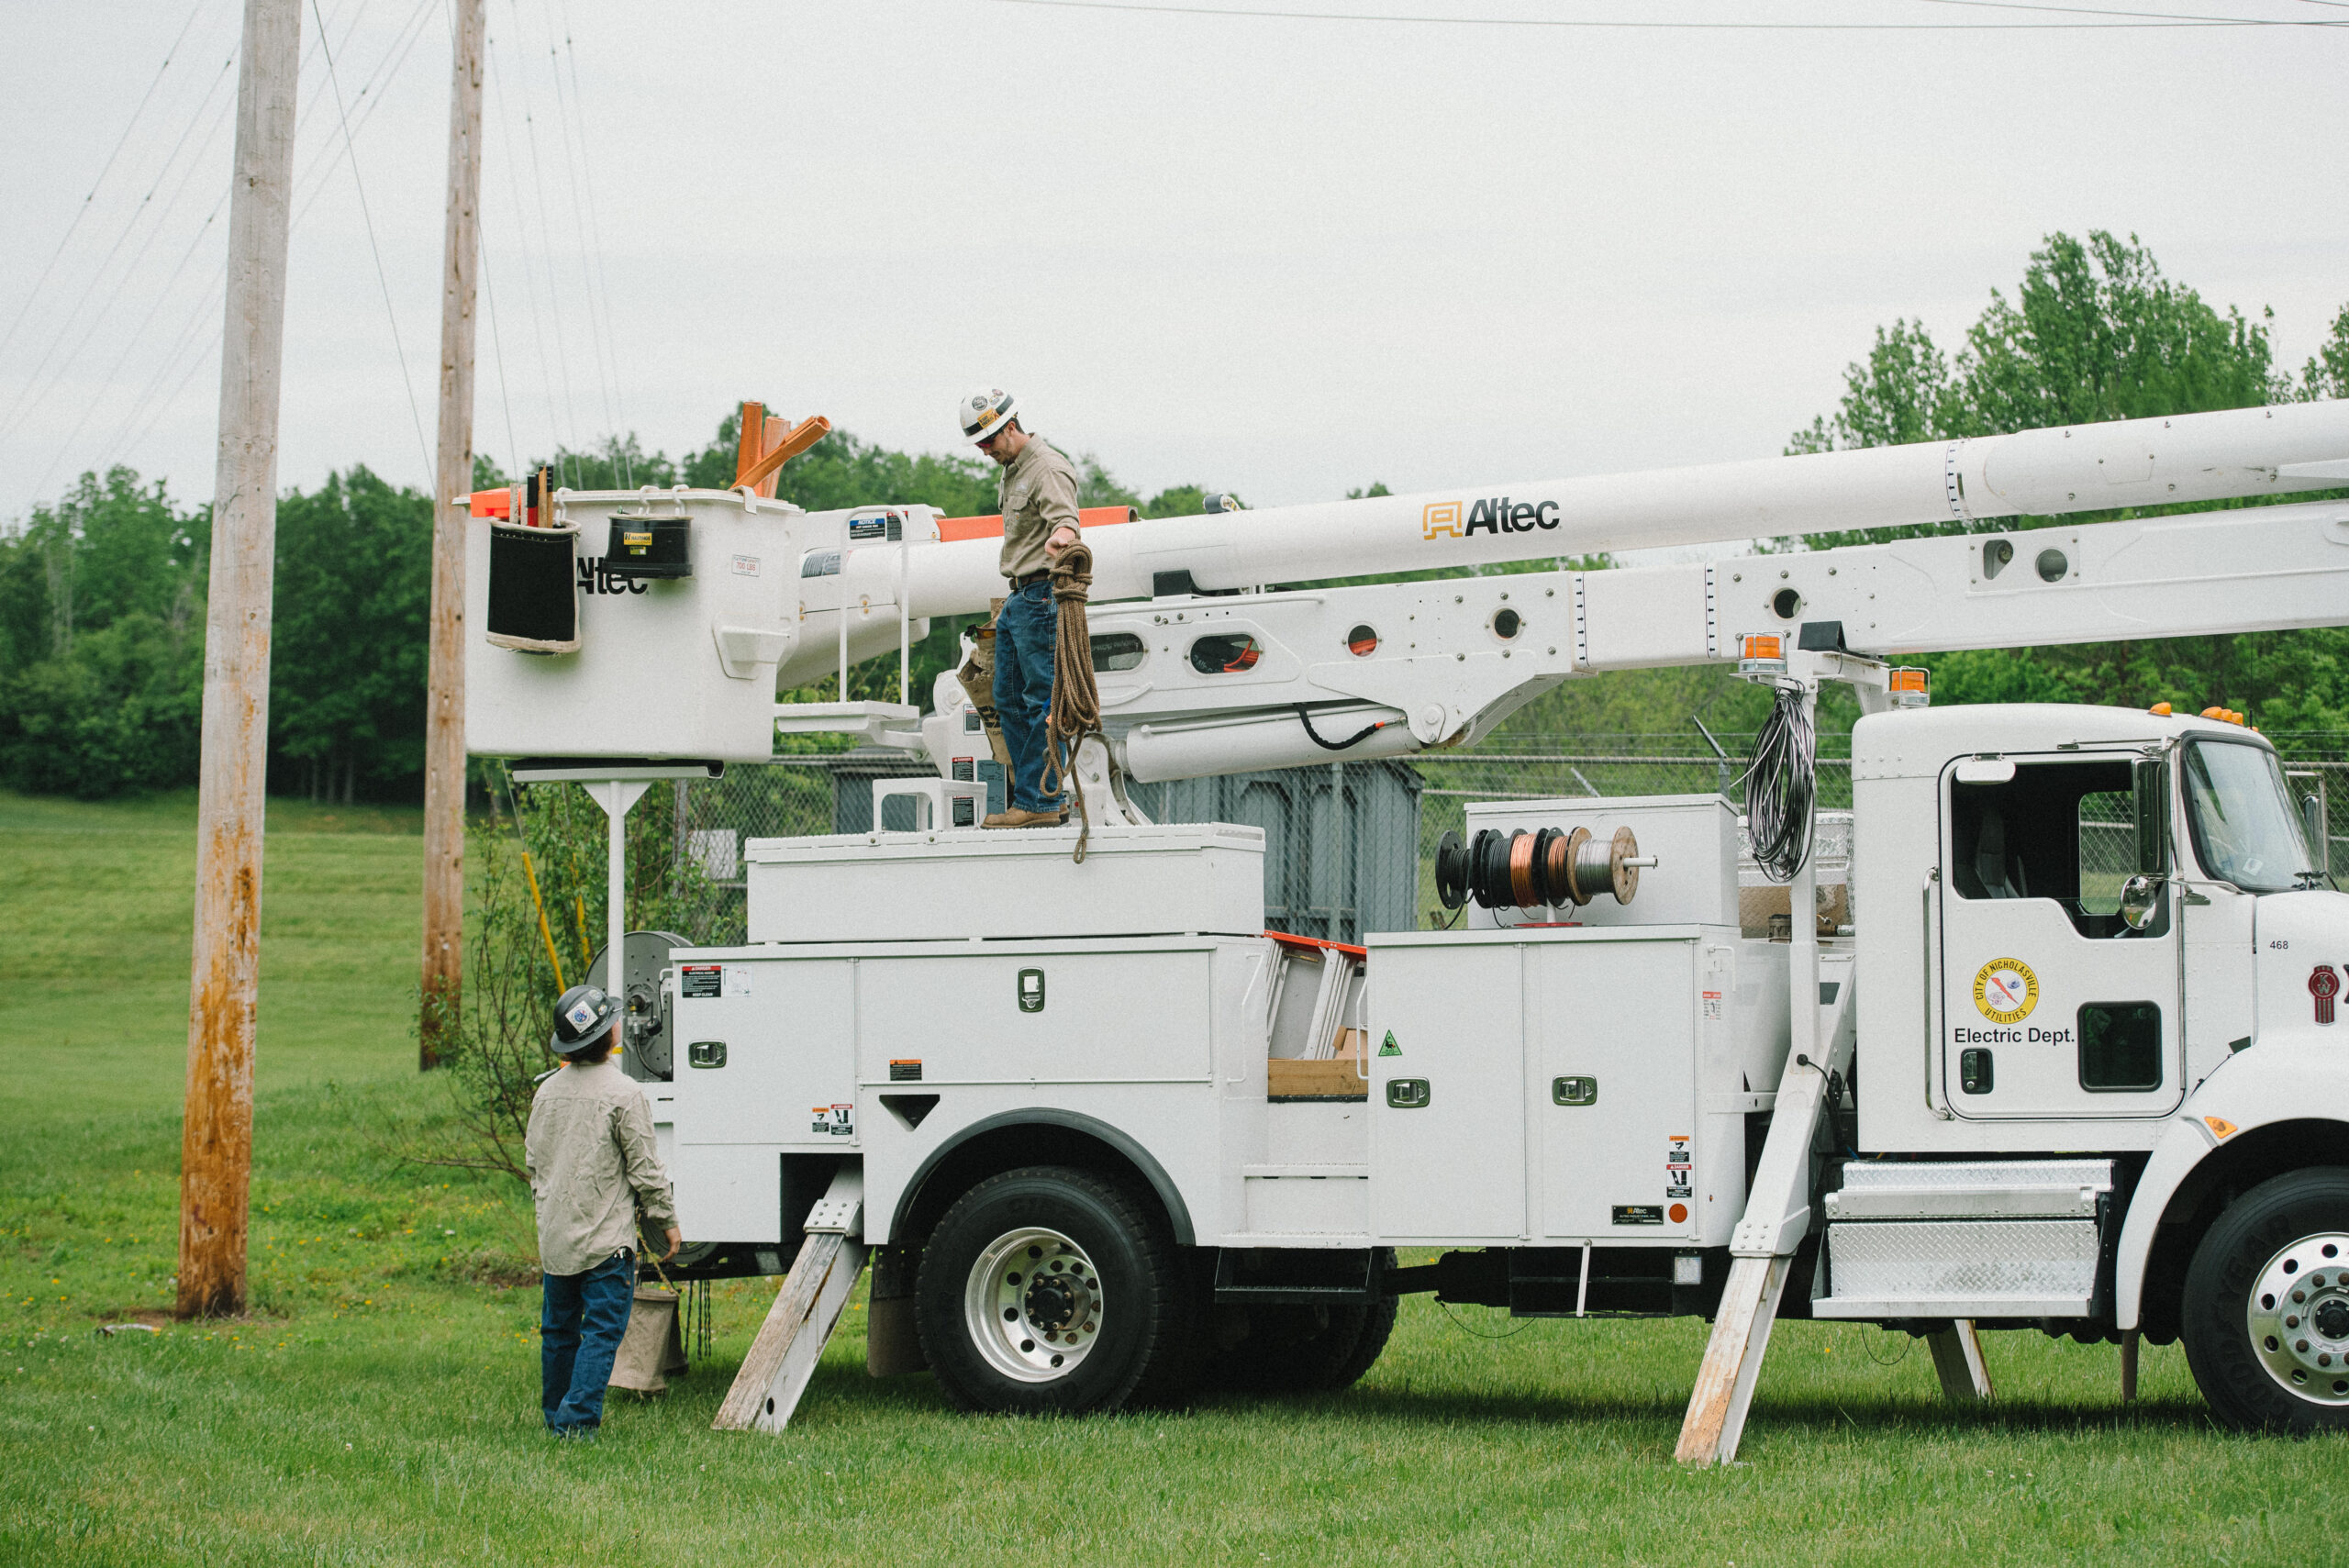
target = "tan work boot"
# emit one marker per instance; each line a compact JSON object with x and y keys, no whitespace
{"x":1015,"y":818}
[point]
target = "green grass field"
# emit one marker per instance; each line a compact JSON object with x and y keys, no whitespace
{"x":380,"y":1403}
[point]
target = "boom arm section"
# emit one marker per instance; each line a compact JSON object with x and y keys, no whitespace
{"x":2053,"y":472}
{"x":1198,"y":684}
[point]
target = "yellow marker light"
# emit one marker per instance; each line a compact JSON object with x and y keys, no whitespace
{"x":2159,"y":710}
{"x":1908,"y":687}
{"x":2220,"y":1127}
{"x":1761,"y":653}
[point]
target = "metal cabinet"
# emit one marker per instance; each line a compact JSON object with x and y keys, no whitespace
{"x":1447,"y":1091}
{"x":1568,"y":1084}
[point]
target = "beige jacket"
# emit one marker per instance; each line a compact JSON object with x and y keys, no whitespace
{"x":1037,"y":495}
{"x":593,"y":1167}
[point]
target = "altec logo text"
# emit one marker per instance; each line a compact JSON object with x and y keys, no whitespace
{"x":1497,"y":514}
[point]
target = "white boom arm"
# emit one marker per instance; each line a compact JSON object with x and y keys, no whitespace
{"x":2051,"y":473}
{"x":1452,"y":659}
{"x":686,"y":666}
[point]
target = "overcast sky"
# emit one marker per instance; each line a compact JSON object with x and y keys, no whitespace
{"x":1283,"y":257}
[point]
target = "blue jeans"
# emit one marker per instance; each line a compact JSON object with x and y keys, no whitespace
{"x":1023,"y":689}
{"x":579,"y":1333}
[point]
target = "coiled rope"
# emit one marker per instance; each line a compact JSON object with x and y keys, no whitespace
{"x":1781,"y":786}
{"x":1075,"y":713}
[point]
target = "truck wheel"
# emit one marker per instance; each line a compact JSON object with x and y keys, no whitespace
{"x":2267,"y":1307}
{"x":1048,"y":1290}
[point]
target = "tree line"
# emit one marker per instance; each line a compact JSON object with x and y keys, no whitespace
{"x":101,"y":593}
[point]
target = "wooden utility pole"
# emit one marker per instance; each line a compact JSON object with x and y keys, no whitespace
{"x":444,"y":720}
{"x":216,"y":1149}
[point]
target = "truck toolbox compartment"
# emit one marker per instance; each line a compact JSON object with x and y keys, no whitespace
{"x":891,"y":887}
{"x":1960,"y":1268}
{"x":1966,"y":1239}
{"x":1971,"y":1189}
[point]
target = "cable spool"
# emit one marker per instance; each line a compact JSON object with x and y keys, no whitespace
{"x":1488,"y":869}
{"x":1559,"y":869}
{"x":1549,"y":867}
{"x":1546,"y":863}
{"x":1524,"y":891}
{"x":1451,"y":870}
{"x":1611,"y":867}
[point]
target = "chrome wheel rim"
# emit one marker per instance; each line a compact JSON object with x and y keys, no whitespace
{"x":2298,"y":1318}
{"x":1033,"y":1305}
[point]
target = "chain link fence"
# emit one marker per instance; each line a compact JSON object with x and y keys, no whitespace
{"x":1349,"y":847}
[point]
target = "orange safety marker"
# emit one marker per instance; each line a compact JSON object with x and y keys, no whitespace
{"x":953,"y":529}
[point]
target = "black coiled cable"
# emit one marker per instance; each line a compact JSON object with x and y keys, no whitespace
{"x":1781,"y":787}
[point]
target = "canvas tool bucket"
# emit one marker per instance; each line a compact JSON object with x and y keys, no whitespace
{"x":653,"y":1349}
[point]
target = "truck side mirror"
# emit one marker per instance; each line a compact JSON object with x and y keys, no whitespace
{"x":2141,"y":900}
{"x":2152,"y":790}
{"x":2312,"y":818}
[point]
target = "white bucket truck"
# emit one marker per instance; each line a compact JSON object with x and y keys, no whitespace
{"x":2051,"y":1044}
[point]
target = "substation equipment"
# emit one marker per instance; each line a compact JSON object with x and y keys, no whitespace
{"x":2053,"y":1044}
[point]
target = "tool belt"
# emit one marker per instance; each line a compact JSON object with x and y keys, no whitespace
{"x":978,"y":677}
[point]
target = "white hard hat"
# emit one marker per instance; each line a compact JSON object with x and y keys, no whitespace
{"x":986,"y":412}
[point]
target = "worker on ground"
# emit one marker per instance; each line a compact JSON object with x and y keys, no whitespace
{"x":1038,"y":500}
{"x":595,"y":1171}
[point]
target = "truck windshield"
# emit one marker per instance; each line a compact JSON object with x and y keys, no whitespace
{"x":2245,"y":830}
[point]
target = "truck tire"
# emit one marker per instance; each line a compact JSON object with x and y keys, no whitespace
{"x":1050,"y":1291}
{"x":2266,"y":1306}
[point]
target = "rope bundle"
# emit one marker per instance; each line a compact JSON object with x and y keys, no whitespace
{"x":1075,"y":713}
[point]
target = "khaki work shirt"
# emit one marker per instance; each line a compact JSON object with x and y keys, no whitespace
{"x":1037,"y":495}
{"x":593,"y":1167}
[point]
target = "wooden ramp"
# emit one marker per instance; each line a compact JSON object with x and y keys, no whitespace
{"x":806,"y":1311}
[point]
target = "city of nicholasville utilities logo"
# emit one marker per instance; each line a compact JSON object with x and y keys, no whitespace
{"x":1493,"y":515}
{"x":2005,"y":990}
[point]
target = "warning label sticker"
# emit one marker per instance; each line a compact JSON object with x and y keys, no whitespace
{"x":701,"y":979}
{"x":1679,"y":1168}
{"x":1712,"y":1007}
{"x":834,"y":1121}
{"x":905,"y":1071}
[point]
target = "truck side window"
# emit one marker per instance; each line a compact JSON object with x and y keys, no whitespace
{"x":2060,"y":830}
{"x":2121,"y":1047}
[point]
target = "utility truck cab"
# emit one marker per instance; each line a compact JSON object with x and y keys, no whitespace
{"x":2068,"y":920}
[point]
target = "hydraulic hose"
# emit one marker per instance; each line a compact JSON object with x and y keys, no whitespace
{"x":1305,"y":716}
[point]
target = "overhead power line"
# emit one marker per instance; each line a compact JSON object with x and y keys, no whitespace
{"x":144,"y":412}
{"x":1654,"y":25}
{"x":407,"y":385}
{"x":594,"y":244}
{"x":36,"y":389}
{"x":108,"y":168}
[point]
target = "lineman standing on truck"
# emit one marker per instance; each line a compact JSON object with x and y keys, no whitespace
{"x":1038,"y":500}
{"x":594,"y":1170}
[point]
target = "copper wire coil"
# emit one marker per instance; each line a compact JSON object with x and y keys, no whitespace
{"x":1523,"y":890}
